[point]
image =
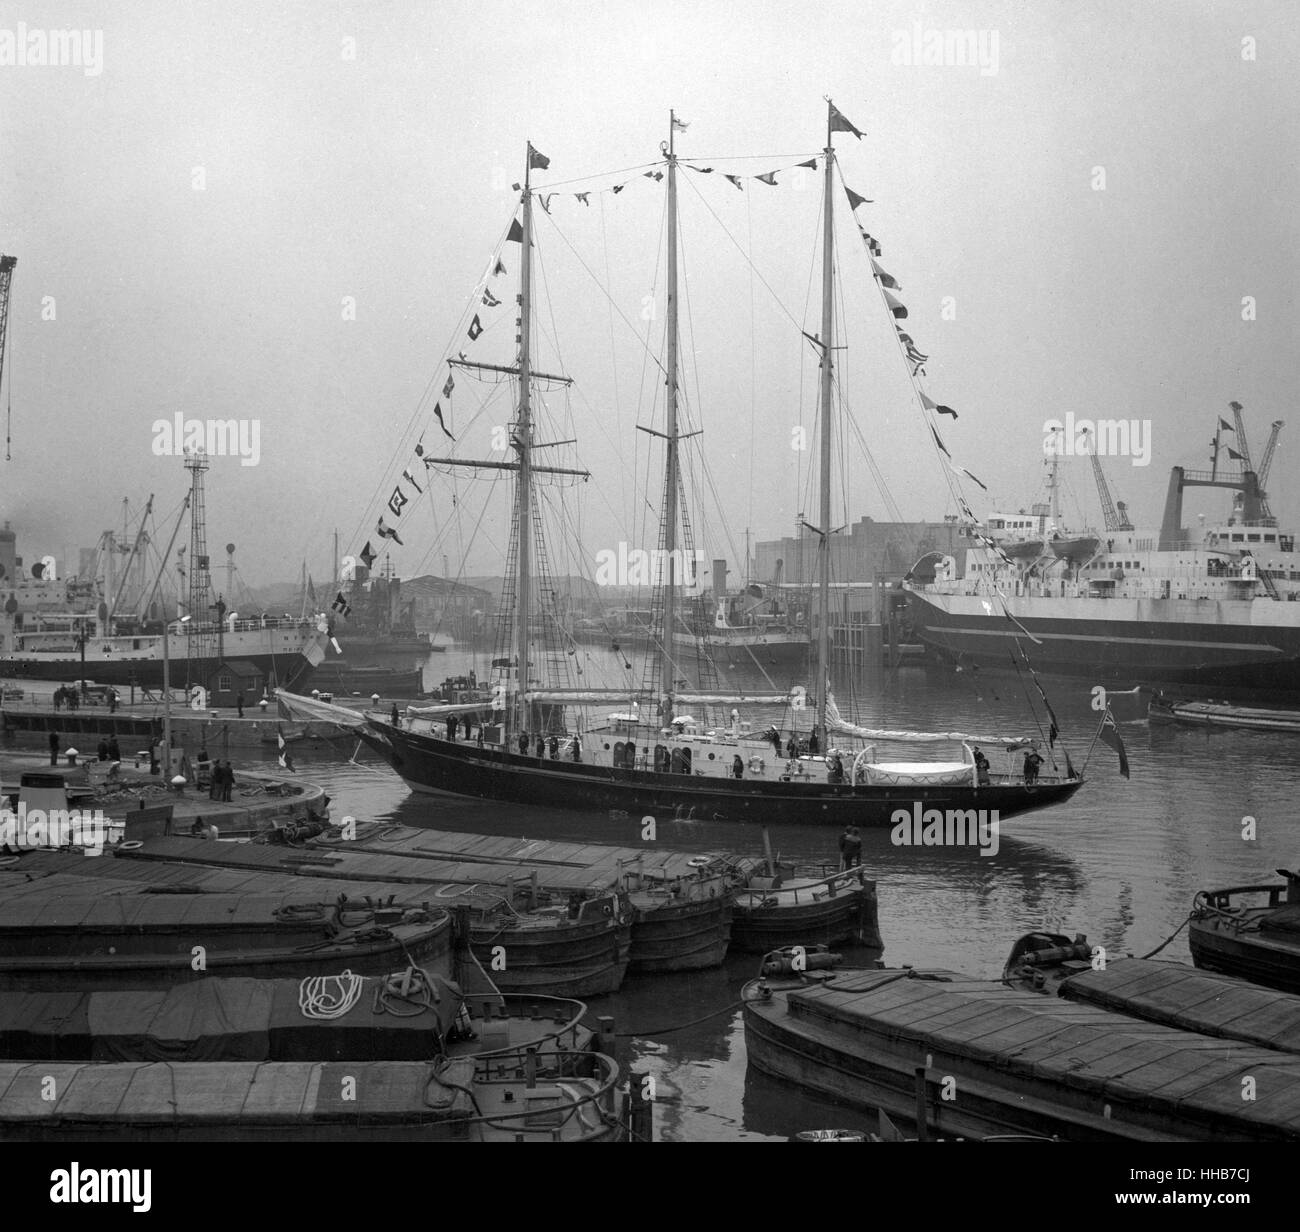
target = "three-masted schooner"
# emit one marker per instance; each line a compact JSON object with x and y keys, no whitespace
{"x":533,"y":755}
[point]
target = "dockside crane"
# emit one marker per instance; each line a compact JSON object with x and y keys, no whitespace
{"x":1269,"y":450}
{"x":6,"y":277}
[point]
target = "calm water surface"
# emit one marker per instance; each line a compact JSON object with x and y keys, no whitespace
{"x":1121,"y":862}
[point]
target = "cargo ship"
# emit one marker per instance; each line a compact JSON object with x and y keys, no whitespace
{"x":1215,"y":611}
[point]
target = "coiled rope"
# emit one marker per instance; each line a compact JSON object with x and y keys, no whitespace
{"x":330,"y":996}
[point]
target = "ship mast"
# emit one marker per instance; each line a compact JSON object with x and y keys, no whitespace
{"x":827,"y":383}
{"x":523,"y":443}
{"x":667,"y":668}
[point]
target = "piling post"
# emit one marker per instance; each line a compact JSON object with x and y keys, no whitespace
{"x":606,"y":1040}
{"x":922,"y":1130}
{"x":640,"y":1110}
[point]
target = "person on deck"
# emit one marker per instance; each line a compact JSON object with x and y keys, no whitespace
{"x":791,"y":749}
{"x":452,"y":724}
{"x":553,"y":747}
{"x":776,"y":741}
{"x":981,"y":767}
{"x":394,"y":717}
{"x":54,"y":748}
{"x":101,"y":749}
{"x":114,"y":749}
{"x":577,"y":748}
{"x":1032,"y":762}
{"x":737,"y":767}
{"x":852,"y":849}
{"x":239,"y":705}
{"x":835,"y":770}
{"x":523,"y":744}
{"x":541,"y":746}
{"x":814,"y":745}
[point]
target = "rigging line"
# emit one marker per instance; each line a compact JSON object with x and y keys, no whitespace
{"x":9,"y":406}
{"x":601,"y":286}
{"x":742,"y":252}
{"x":753,"y":386}
{"x":740,"y":158}
{"x":424,"y":398}
{"x":543,"y":189}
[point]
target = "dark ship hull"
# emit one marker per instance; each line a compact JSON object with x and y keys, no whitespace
{"x":431,"y":764}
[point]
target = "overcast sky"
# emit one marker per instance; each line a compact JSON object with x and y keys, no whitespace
{"x":198,"y":210}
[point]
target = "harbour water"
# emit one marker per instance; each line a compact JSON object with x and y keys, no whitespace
{"x":1121,"y":863}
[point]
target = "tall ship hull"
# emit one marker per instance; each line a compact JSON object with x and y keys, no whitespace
{"x":1226,"y":646}
{"x":430,"y":764}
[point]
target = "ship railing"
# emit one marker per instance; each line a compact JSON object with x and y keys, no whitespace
{"x":829,"y":886}
{"x":1222,"y":902}
{"x":565,"y":1038}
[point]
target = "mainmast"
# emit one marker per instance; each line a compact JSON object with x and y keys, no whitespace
{"x":667,"y":667}
{"x":827,"y":383}
{"x":523,"y":443}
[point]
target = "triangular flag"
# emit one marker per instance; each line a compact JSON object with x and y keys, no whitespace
{"x":387,"y":533}
{"x":410,"y":479}
{"x":653,"y":175}
{"x":1109,"y":734}
{"x":583,"y":198}
{"x":449,"y":386}
{"x":545,"y":199}
{"x":896,"y":306}
{"x":946,"y":410}
{"x":769,"y":178}
{"x":437,"y":410}
{"x":812,"y":162}
{"x":490,"y":300}
{"x":856,"y":199}
{"x":1234,"y":455}
{"x":886,"y":280}
{"x":939,"y":441}
{"x":618,"y":188}
{"x":735,"y":179}
{"x":701,"y":170}
{"x":680,"y":125}
{"x":515,"y":234}
{"x":475,"y":328}
{"x":500,"y":266}
{"x":367,"y":556}
{"x":871,"y":244}
{"x":1225,"y":425}
{"x":840,"y":124}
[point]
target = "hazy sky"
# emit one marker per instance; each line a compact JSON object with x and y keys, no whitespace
{"x":197,"y":215}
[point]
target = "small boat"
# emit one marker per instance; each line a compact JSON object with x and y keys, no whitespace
{"x":772,"y":912}
{"x":1221,"y":714}
{"x":1019,"y":1062}
{"x":1250,"y":931}
{"x":88,"y":941}
{"x":1023,"y":549}
{"x":1075,"y":549}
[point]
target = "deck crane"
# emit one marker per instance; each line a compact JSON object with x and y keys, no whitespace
{"x":1116,"y":516}
{"x":6,"y":277}
{"x":1269,"y":450}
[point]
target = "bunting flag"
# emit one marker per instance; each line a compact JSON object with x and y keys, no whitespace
{"x":475,"y":328}
{"x":536,"y":160}
{"x":397,"y":502}
{"x":419,"y":448}
{"x":387,"y":533}
{"x":701,"y":170}
{"x":681,"y":125}
{"x":516,"y":233}
{"x":437,"y":410}
{"x":886,"y":279}
{"x":583,"y":198}
{"x":545,"y":200}
{"x":961,"y":470}
{"x":618,"y":188}
{"x":1226,"y":426}
{"x":286,"y":758}
{"x":653,"y":175}
{"x":449,"y":386}
{"x":769,"y":178}
{"x":1109,"y":734}
{"x":411,"y":480}
{"x":931,"y":405}
{"x":856,"y":199}
{"x":812,"y":162}
{"x":1234,"y":455}
{"x":841,"y":124}
{"x":341,"y":605}
{"x":735,"y":179}
{"x":946,"y":410}
{"x":367,"y":556}
{"x":872,"y":246}
{"x":500,"y":266}
{"x":896,"y":306}
{"x":490,"y":300}
{"x":938,"y":440}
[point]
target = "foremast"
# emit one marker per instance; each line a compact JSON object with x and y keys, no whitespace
{"x":822,"y":662}
{"x":667,"y":664}
{"x":523,"y":445}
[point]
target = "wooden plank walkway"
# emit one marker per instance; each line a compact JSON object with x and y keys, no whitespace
{"x":1150,"y":1074}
